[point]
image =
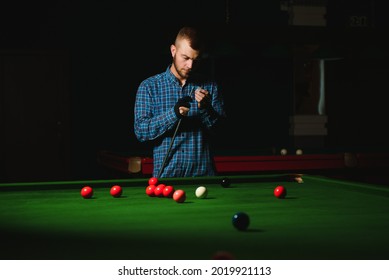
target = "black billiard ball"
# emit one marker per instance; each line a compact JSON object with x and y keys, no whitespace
{"x":240,"y":221}
{"x":225,"y":182}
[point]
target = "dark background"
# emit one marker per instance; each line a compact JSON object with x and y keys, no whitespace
{"x":102,"y":50}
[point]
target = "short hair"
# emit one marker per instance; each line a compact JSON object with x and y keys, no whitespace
{"x":193,"y":35}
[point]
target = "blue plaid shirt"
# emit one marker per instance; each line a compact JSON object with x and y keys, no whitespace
{"x":155,"y":120}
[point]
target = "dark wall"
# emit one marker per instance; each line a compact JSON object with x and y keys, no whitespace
{"x":114,"y":45}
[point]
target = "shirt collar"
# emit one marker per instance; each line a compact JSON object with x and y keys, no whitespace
{"x":170,"y":76}
{"x":191,"y":81}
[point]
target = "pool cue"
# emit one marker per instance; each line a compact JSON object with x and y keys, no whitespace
{"x":171,"y":143}
{"x":170,"y":147}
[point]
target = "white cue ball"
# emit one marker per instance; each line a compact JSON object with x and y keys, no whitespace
{"x":201,"y":192}
{"x":299,"y":180}
{"x":284,"y":152}
{"x":299,"y":152}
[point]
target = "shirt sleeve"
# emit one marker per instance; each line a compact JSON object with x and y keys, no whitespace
{"x":147,"y":125}
{"x":215,"y":112}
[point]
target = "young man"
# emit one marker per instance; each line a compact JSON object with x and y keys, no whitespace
{"x":178,"y":112}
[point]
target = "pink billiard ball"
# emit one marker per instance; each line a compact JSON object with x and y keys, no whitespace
{"x":179,"y":196}
{"x":87,"y":192}
{"x":223,"y":255}
{"x":116,"y":191}
{"x":153,"y":181}
{"x":280,"y":192}
{"x":168,"y":191}
{"x":158,"y":191}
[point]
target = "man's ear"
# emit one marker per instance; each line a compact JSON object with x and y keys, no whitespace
{"x":173,"y":50}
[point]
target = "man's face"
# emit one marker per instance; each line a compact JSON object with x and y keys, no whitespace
{"x":184,"y":59}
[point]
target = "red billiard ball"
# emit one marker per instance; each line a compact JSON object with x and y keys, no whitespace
{"x":168,"y":191}
{"x":87,"y":192}
{"x":158,"y":191}
{"x":116,"y":191}
{"x":150,"y":190}
{"x":179,"y":196}
{"x":153,"y":181}
{"x":280,"y":192}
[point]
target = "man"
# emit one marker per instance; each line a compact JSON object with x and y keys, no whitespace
{"x":178,"y":112}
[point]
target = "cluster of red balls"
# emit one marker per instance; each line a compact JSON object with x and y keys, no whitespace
{"x":156,"y":189}
{"x":87,"y":191}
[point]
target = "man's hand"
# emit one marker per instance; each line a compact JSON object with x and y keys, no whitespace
{"x":182,"y":106}
{"x":203,"y":98}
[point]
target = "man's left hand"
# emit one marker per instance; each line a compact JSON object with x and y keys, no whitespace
{"x":203,"y":98}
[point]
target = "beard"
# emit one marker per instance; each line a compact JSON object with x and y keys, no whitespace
{"x":183,"y":73}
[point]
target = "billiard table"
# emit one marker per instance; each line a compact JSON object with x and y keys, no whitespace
{"x":320,"y":218}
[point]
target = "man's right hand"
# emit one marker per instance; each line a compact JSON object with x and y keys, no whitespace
{"x":182,"y":106}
